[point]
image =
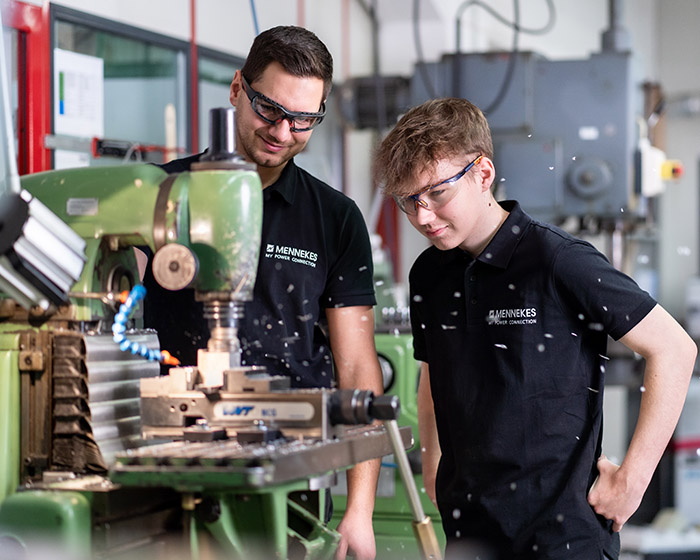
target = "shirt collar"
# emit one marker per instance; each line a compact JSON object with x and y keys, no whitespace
{"x":501,"y":248}
{"x":285,"y":185}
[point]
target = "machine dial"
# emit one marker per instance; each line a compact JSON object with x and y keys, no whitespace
{"x":174,"y":266}
{"x":590,"y":178}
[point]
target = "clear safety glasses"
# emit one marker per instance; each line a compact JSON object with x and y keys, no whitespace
{"x":434,"y":196}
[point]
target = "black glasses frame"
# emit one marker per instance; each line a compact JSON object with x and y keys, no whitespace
{"x":288,"y":115}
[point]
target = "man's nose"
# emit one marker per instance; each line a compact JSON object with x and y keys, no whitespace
{"x":283,"y":129}
{"x":424,"y":215}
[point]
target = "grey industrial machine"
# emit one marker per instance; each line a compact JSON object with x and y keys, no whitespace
{"x":565,"y":134}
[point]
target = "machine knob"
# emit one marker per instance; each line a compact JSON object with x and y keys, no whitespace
{"x":174,"y":266}
{"x":385,"y":407}
{"x":589,"y":178}
{"x":353,"y":406}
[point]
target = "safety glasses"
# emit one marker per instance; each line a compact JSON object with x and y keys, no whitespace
{"x":272,"y":112}
{"x":435,"y":196}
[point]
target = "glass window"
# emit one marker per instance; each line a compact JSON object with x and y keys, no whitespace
{"x":145,"y":102}
{"x":216,"y":71}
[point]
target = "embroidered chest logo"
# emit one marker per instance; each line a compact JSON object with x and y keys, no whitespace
{"x":286,"y":253}
{"x":521,"y":316}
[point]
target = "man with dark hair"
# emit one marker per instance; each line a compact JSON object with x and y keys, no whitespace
{"x":315,"y":271}
{"x":510,"y":319}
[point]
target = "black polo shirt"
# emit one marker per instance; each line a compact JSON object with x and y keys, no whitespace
{"x":315,"y":254}
{"x":516,"y":344}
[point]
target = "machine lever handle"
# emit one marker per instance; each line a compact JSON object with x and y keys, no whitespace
{"x":422,"y":525}
{"x":353,"y":406}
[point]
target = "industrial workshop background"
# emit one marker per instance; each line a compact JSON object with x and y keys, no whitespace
{"x":202,"y":41}
{"x":99,"y":82}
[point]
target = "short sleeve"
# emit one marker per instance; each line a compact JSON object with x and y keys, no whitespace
{"x":602,"y":295}
{"x":350,"y":275}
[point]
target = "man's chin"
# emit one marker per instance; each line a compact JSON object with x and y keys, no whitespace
{"x":443,"y":245}
{"x":272,"y":160}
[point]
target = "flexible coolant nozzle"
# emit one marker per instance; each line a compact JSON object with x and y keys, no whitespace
{"x":129,"y":301}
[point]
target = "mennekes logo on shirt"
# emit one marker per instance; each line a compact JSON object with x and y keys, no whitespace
{"x":516,"y":316}
{"x":292,"y":254}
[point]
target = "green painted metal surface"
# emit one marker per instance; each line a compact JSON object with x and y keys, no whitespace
{"x":100,"y":201}
{"x":45,"y":520}
{"x":9,"y":414}
{"x":225,"y":213}
{"x":215,"y":213}
{"x":268,"y":524}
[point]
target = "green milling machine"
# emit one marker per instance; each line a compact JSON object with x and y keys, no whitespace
{"x":103,"y":457}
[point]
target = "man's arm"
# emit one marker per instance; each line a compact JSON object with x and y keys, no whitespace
{"x":351,"y":332}
{"x":670,"y":359}
{"x":427,"y":433}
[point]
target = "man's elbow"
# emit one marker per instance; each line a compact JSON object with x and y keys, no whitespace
{"x":691,"y":352}
{"x":683,"y":351}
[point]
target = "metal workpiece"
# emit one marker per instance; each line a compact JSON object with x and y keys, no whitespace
{"x":301,"y":413}
{"x":228,"y":464}
{"x":250,"y":399}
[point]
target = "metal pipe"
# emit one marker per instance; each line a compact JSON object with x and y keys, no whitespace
{"x":10,"y":181}
{"x":615,"y":38}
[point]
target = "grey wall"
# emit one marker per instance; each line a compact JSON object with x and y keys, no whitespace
{"x":679,"y":72}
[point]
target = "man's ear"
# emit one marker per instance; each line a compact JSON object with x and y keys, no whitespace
{"x":486,"y":173}
{"x":236,"y":88}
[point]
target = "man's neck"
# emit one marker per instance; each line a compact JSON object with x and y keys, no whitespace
{"x":269,"y":175}
{"x":492,"y":223}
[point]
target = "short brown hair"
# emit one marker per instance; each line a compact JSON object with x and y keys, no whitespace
{"x":298,"y":50}
{"x":437,"y":129}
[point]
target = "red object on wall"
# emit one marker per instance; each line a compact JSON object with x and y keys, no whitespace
{"x":388,"y":229}
{"x":34,"y":81}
